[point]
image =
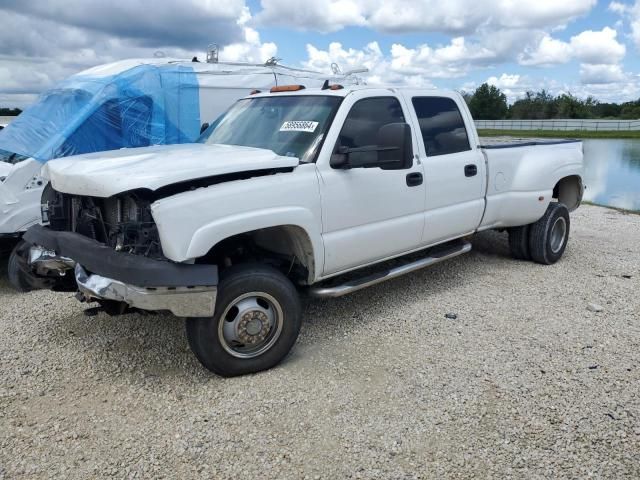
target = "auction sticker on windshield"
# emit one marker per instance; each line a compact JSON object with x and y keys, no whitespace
{"x":299,"y":126}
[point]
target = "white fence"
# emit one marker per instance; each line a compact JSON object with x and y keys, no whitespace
{"x":577,"y":124}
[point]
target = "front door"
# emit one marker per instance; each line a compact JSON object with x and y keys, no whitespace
{"x":369,"y":214}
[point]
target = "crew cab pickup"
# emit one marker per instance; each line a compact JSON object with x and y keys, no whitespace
{"x":292,"y":190}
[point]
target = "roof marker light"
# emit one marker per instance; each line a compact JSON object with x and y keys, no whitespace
{"x":287,"y":88}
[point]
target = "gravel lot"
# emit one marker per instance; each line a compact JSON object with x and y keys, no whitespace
{"x":528,"y":381}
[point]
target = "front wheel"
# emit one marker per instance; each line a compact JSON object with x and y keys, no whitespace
{"x":256,"y":322}
{"x":548,"y":237}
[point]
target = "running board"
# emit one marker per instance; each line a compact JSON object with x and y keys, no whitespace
{"x":436,"y":255}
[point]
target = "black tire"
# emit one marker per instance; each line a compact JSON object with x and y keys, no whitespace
{"x":205,"y":335}
{"x":548,"y":237}
{"x":14,"y":272}
{"x":519,"y":242}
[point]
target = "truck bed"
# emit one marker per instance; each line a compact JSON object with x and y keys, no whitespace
{"x":513,"y":142}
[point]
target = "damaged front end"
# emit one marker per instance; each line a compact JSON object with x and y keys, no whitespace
{"x":109,"y":251}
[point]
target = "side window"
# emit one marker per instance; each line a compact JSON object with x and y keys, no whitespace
{"x":441,"y":125}
{"x":365,"y":118}
{"x":361,"y":126}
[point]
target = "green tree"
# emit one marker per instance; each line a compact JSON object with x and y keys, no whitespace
{"x":630,"y":110}
{"x":572,"y":107}
{"x":488,"y":103}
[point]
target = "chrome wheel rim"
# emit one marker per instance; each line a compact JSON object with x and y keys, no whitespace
{"x":558,"y":234}
{"x":250,"y":325}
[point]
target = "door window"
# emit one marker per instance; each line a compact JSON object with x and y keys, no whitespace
{"x":441,"y":125}
{"x":365,"y":118}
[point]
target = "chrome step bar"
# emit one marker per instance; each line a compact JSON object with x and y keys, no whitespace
{"x":353,"y":285}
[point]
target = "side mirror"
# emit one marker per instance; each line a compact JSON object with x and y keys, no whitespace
{"x":393,"y":151}
{"x":203,"y":127}
{"x":340,"y":159}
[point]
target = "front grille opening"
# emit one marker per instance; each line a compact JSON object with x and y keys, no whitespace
{"x":123,"y":222}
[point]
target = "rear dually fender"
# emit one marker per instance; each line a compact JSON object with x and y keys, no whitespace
{"x":521,"y":181}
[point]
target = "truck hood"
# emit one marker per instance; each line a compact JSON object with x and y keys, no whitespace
{"x":108,"y":173}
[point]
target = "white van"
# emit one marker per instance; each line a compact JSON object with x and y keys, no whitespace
{"x":127,"y":104}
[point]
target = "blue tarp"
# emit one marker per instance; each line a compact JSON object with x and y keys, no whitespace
{"x":141,"y":106}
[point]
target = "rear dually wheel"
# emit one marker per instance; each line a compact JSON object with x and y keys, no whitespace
{"x":548,"y":236}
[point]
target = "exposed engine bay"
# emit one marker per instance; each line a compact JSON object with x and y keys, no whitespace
{"x":123,"y":222}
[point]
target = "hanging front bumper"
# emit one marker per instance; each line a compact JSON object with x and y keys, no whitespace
{"x":181,"y":301}
{"x":101,"y":273}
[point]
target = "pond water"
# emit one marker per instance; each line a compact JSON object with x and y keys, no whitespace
{"x":612,"y":173}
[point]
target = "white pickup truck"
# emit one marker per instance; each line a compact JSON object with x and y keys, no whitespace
{"x":291,"y":190}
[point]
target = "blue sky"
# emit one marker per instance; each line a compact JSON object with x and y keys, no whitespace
{"x":586,"y":47}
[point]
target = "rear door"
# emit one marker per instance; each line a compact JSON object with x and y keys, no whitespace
{"x":368,"y":214}
{"x":454,"y":167}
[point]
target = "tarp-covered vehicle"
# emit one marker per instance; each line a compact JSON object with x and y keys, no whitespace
{"x":131,"y":103}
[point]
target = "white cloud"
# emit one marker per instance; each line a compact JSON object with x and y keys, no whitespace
{"x":591,"y":47}
{"x":619,"y":8}
{"x":598,"y":47}
{"x":514,"y":86}
{"x":404,"y":65}
{"x":624,"y":91}
{"x":599,"y":52}
{"x":31,"y":62}
{"x":548,"y":52}
{"x":630,"y":12}
{"x":505,"y":80}
{"x":327,"y":16}
{"x":601,"y":74}
{"x":635,"y":23}
{"x":453,"y":16}
{"x":449,"y":61}
{"x":151,"y":24}
{"x":251,"y":49}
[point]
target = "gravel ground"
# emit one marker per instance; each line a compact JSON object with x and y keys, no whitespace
{"x":527,"y":382}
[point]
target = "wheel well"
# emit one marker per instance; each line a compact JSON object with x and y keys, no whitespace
{"x":286,"y":247}
{"x":569,"y":191}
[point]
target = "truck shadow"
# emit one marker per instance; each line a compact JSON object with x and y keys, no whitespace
{"x":155,"y":346}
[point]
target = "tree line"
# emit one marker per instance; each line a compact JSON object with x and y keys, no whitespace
{"x":489,"y":103}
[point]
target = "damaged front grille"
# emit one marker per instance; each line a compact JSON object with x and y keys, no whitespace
{"x":124,"y":222}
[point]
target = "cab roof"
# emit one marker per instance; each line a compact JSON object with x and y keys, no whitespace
{"x":349,"y":89}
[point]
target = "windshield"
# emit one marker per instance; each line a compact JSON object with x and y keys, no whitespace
{"x":291,"y":126}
